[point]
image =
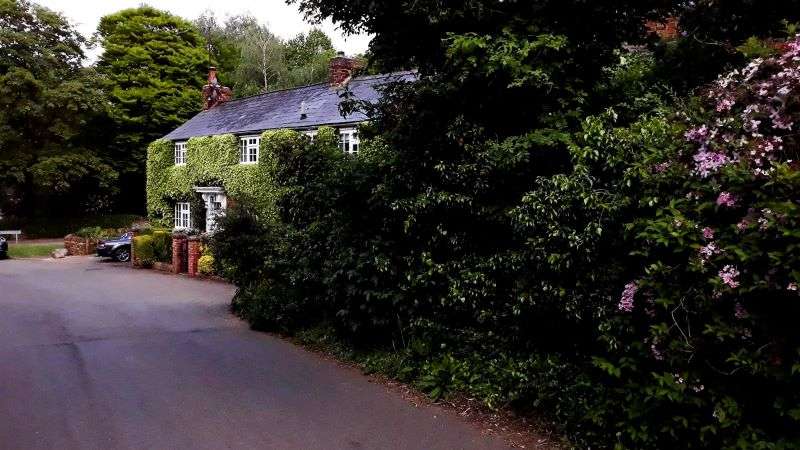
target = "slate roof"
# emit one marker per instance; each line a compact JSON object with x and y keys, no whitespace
{"x":281,"y":109}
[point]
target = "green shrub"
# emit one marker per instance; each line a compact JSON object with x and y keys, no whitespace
{"x":58,"y":226}
{"x":162,"y":245}
{"x":205,"y":265}
{"x":143,"y":249}
{"x":90,"y":232}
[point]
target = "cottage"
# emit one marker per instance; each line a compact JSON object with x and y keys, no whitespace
{"x":304,"y":109}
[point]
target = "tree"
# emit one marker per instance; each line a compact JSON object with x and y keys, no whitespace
{"x":48,"y":162}
{"x":253,"y":60}
{"x":224,"y":41}
{"x":308,"y":56}
{"x":155,"y":64}
{"x":262,"y":66}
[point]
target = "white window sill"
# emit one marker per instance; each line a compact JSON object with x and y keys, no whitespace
{"x":180,"y":164}
{"x":248,"y":162}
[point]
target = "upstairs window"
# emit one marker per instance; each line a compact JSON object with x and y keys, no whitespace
{"x":180,"y":153}
{"x":312,"y":134}
{"x":348,"y":140}
{"x":183,"y":216}
{"x":248,"y":149}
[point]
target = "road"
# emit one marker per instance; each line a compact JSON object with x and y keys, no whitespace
{"x":95,"y":355}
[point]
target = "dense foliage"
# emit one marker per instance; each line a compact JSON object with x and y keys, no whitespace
{"x":705,"y":346}
{"x":47,"y":101}
{"x":155,"y":64}
{"x":254,"y":60}
{"x":520,"y":223}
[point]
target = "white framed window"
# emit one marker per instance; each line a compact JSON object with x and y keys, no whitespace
{"x":248,"y":149}
{"x":180,"y":153}
{"x":348,"y":140}
{"x":183,"y":216}
{"x":311,"y":134}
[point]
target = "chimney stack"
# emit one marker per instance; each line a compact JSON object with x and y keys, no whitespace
{"x":341,"y":69}
{"x":213,"y":93}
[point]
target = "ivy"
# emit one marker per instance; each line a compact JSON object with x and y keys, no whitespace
{"x":214,"y":161}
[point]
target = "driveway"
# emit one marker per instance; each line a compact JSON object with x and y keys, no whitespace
{"x":96,"y":355}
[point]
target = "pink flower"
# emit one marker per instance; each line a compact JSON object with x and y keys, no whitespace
{"x":728,"y":275}
{"x":626,"y":300}
{"x":708,"y":233}
{"x":656,"y":352}
{"x":724,"y":105}
{"x":740,"y":312}
{"x":707,"y":162}
{"x":661,"y":167}
{"x":698,"y":135}
{"x":792,"y":286}
{"x":708,"y":251}
{"x":726,"y":199}
{"x":743,"y":224}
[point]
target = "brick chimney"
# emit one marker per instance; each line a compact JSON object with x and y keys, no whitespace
{"x":667,"y":30}
{"x":341,"y":69}
{"x":213,"y":92}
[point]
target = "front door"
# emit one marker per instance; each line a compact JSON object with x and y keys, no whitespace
{"x":215,"y":207}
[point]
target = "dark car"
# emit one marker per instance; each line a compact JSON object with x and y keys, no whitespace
{"x":3,"y":248}
{"x":118,"y":249}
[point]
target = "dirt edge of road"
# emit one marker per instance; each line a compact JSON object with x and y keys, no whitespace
{"x":515,"y":430}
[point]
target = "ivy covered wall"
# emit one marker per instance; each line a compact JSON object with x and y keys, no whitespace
{"x":214,"y":161}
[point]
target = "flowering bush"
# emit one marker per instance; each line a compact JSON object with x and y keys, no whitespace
{"x":707,"y":350}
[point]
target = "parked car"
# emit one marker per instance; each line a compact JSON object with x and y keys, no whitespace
{"x":118,"y":249}
{"x":3,"y":248}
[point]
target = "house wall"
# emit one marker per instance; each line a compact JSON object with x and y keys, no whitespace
{"x":214,"y":161}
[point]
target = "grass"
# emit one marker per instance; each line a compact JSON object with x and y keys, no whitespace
{"x":31,"y":250}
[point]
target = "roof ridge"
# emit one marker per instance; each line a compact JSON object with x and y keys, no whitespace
{"x":363,"y":77}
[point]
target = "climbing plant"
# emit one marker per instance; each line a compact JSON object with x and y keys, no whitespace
{"x":214,"y":161}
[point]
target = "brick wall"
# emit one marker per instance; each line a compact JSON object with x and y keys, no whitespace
{"x":194,"y":255}
{"x":77,"y":245}
{"x":179,"y":259}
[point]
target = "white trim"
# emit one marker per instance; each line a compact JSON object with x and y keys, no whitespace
{"x":179,"y":153}
{"x":349,"y":141}
{"x":183,"y":216}
{"x":208,"y":189}
{"x":248,"y":148}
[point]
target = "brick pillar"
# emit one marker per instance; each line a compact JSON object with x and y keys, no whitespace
{"x":178,"y":257}
{"x":134,"y":261}
{"x":194,"y":255}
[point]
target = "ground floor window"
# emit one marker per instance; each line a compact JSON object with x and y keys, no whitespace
{"x":183,"y":215}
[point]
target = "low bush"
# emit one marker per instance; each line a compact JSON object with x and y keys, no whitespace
{"x":205,"y":265}
{"x":144,"y":250}
{"x":162,"y":245}
{"x":90,"y":232}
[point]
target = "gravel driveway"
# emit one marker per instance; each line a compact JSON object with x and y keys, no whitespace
{"x":95,"y":355}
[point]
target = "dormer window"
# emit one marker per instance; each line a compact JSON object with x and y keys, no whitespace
{"x":180,"y":153}
{"x":348,"y":140}
{"x":248,"y":149}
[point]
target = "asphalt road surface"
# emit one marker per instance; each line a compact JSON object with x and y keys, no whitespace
{"x":95,"y":355}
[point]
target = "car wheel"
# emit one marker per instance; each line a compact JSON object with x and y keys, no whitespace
{"x":122,"y":254}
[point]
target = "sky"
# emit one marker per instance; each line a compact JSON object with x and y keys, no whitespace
{"x":282,"y":19}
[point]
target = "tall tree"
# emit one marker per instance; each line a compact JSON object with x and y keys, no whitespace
{"x":308,"y":55}
{"x":155,"y":63}
{"x":48,"y":159}
{"x":262,"y":66}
